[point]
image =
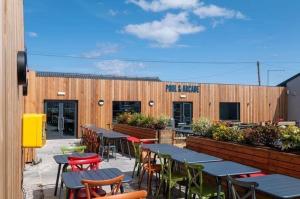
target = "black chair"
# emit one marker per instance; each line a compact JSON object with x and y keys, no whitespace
{"x":247,"y":189}
{"x":105,"y":146}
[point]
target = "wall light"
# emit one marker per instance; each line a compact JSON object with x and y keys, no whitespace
{"x":101,"y":102}
{"x":151,"y":103}
{"x":61,"y":93}
{"x":22,"y":67}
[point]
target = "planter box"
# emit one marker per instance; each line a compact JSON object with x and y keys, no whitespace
{"x":266,"y":159}
{"x":138,"y":132}
{"x":164,"y":136}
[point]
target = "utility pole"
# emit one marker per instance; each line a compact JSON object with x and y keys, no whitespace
{"x":258,"y":73}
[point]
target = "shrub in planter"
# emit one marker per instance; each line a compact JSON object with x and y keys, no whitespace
{"x":251,"y":136}
{"x":124,"y":118}
{"x":147,"y":122}
{"x":202,"y":127}
{"x":224,"y":133}
{"x":135,"y":119}
{"x":262,"y":135}
{"x":161,"y":122}
{"x":289,"y":138}
{"x":269,"y":135}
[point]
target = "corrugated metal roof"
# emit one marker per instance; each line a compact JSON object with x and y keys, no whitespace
{"x":93,"y":76}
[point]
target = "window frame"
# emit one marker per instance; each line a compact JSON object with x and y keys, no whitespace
{"x":123,"y":101}
{"x":238,"y":114}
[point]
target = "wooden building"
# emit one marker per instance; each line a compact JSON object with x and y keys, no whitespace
{"x":11,"y":103}
{"x":74,"y":99}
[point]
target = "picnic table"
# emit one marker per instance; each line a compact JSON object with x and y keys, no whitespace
{"x":63,"y":160}
{"x":223,"y":168}
{"x":276,"y":185}
{"x":110,"y":135}
{"x":180,"y":154}
{"x":72,"y":180}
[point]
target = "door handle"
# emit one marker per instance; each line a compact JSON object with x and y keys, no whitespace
{"x":63,"y":123}
{"x":58,"y":124}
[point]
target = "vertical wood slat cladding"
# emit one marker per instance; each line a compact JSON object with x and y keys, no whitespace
{"x":258,"y":104}
{"x":11,"y":103}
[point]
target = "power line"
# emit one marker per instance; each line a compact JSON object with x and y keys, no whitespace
{"x":142,"y":60}
{"x":160,"y":61}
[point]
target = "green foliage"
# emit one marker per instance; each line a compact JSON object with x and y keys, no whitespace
{"x":222,"y":132}
{"x":262,"y":135}
{"x":290,"y":137}
{"x":124,"y":118}
{"x":140,"y":120}
{"x":136,"y":119}
{"x":161,"y":122}
{"x":202,"y":127}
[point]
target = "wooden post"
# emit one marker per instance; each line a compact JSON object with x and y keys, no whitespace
{"x":11,"y":102}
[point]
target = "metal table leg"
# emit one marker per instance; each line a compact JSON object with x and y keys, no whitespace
{"x":57,"y":179}
{"x":219,"y":186}
{"x":122,"y":149}
{"x":128,"y":148}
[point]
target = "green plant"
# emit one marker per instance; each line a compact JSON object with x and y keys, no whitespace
{"x":290,"y":137}
{"x":124,"y":118}
{"x":262,"y":135}
{"x":202,"y":127}
{"x":147,"y":122}
{"x":161,"y":122}
{"x":135,"y":119}
{"x":222,"y":132}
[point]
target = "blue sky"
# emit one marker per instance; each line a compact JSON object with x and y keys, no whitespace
{"x":223,"y":39}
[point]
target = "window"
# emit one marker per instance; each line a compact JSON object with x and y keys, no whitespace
{"x":230,"y":111}
{"x":125,"y":106}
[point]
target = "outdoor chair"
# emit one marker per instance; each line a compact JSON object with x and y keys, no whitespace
{"x":131,"y":139}
{"x":149,"y":166}
{"x":196,"y":186}
{"x":235,"y":185}
{"x":81,"y":164}
{"x":131,"y":195}
{"x":106,"y":147}
{"x":168,"y":176}
{"x":138,"y":156}
{"x":91,"y":186}
{"x":72,"y":149}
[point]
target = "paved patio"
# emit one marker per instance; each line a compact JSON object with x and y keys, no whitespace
{"x":39,"y":180}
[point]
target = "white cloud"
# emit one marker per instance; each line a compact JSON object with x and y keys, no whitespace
{"x":102,"y":49}
{"x":119,"y":67}
{"x":165,"y":32}
{"x":112,"y":12}
{"x":32,"y":34}
{"x":213,"y":11}
{"x":161,"y":5}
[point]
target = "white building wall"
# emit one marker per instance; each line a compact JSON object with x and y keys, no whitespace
{"x":293,"y":87}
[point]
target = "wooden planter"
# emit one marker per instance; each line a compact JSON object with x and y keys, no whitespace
{"x":266,"y":159}
{"x":138,"y":132}
{"x":162,"y":136}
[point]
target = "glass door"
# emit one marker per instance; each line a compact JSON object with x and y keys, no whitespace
{"x":182,"y":113}
{"x":61,"y":118}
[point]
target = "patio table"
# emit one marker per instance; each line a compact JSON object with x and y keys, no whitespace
{"x":112,"y":135}
{"x":179,"y":154}
{"x":224,"y":168}
{"x":63,"y":160}
{"x":276,"y":185}
{"x":72,"y":180}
